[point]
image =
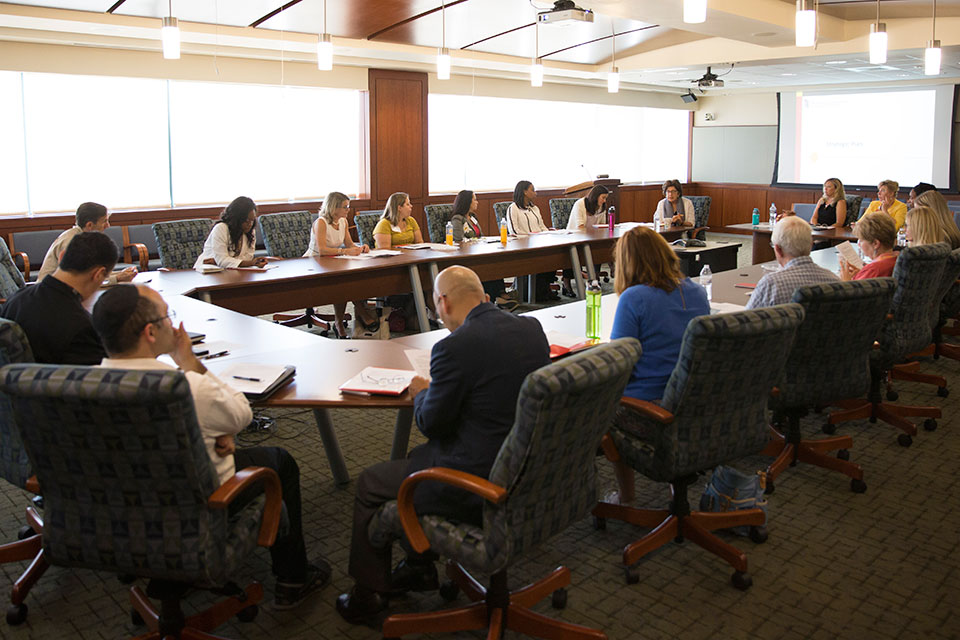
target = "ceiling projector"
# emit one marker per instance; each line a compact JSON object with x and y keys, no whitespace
{"x":565,"y":12}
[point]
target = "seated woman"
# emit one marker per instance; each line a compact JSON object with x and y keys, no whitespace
{"x":935,"y":201}
{"x":876,"y":237}
{"x":917,"y":191}
{"x":233,"y":240}
{"x":887,"y":202}
{"x":523,"y":219}
{"x":831,"y":209}
{"x":397,"y":226}
{"x":467,"y":225}
{"x":674,"y":209}
{"x":331,"y":226}
{"x":589,"y":210}
{"x":656,"y":303}
{"x":921,"y":227}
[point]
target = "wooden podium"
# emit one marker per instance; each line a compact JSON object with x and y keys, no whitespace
{"x":581,"y":190}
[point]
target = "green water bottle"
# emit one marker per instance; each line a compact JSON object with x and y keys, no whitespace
{"x":593,"y":310}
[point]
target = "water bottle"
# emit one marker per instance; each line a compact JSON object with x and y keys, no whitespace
{"x":901,"y":238}
{"x":706,"y":280}
{"x":657,"y":222}
{"x":450,"y":233}
{"x":611,"y":220}
{"x":593,"y":310}
{"x":503,"y":232}
{"x":756,"y":217}
{"x":773,"y":214}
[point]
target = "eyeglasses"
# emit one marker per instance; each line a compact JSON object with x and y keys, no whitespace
{"x":172,"y":315}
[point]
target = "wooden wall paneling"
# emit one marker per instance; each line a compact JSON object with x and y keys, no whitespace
{"x":738,"y":205}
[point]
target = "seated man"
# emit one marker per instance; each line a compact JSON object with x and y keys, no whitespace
{"x":136,"y":327}
{"x":90,"y":217}
{"x":466,"y":410}
{"x":791,"y":240}
{"x":51,"y":312}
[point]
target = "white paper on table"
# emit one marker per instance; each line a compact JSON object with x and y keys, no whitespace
{"x":416,"y":245}
{"x":248,"y":377}
{"x":420,"y":359}
{"x":848,"y":253}
{"x":562,"y":339}
{"x":208,"y":268}
{"x":725,"y":307}
{"x":557,"y":232}
{"x":265,"y":267}
{"x":436,"y":246}
{"x":376,"y":253}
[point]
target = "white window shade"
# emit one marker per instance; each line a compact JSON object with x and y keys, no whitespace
{"x":13,"y":168}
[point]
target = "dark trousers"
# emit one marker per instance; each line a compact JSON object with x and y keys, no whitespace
{"x":494,"y":288}
{"x":289,"y":554}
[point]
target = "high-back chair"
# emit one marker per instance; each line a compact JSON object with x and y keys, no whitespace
{"x":11,"y":280}
{"x":180,"y":242}
{"x":543,"y":480}
{"x":145,"y":243}
{"x":918,"y":276}
{"x":804,"y":210}
{"x":129,"y":488}
{"x":830,"y":359}
{"x":500,"y":210}
{"x":560,"y":209}
{"x":711,"y":413}
{"x":437,"y":216}
{"x":701,"y":213}
{"x":366,"y":221}
{"x":853,"y":209}
{"x":949,"y":308}
{"x":15,"y":468}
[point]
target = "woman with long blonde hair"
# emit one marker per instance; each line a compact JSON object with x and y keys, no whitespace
{"x":935,"y":201}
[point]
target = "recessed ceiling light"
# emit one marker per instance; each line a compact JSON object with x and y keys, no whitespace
{"x":764,"y":34}
{"x":835,"y":62}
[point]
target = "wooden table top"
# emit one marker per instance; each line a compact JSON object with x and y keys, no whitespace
{"x":832,"y":233}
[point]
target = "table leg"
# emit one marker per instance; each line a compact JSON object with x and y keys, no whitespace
{"x":401,"y":433}
{"x":532,"y":288}
{"x":434,"y":271}
{"x":417,"y":288}
{"x":577,"y":272}
{"x":588,"y":258}
{"x":331,"y":446}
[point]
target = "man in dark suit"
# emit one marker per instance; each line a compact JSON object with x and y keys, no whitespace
{"x":466,"y":410}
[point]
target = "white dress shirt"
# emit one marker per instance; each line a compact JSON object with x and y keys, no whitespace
{"x":51,"y":261}
{"x":579,"y":218}
{"x":217,"y":247}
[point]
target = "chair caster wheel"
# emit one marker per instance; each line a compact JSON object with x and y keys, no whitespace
{"x":16,"y":614}
{"x":248,"y":614}
{"x":843,"y":454}
{"x":741,"y":580}
{"x":943,"y":392}
{"x":449,"y":591}
{"x":559,"y":599}
{"x":858,"y":486}
{"x":930,"y":424}
{"x":829,"y":428}
{"x":758,"y":534}
{"x":892,"y":395}
{"x":770,"y":488}
{"x":26,"y":531}
{"x":633,"y":575}
{"x":136,"y":619}
{"x":600,"y":524}
{"x":904,"y":440}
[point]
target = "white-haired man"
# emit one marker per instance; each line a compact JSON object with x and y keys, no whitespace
{"x":792,"y":241}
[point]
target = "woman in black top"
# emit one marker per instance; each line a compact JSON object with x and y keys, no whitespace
{"x":467,"y":225}
{"x":831,"y":209}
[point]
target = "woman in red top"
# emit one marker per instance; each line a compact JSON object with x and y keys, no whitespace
{"x":876,"y":236}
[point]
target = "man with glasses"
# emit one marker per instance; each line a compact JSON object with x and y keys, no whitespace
{"x":136,"y":327}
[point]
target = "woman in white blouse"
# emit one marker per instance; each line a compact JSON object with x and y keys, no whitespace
{"x":233,"y":240}
{"x":523,"y":216}
{"x":590,"y":210}
{"x":331,"y":225}
{"x":674,"y":209}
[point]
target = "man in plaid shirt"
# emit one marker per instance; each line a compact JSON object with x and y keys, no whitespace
{"x":792,"y":241}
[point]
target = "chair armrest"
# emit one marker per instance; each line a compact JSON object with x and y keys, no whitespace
{"x":460,"y":479}
{"x":142,"y":253}
{"x":33,"y":485}
{"x":26,"y":263}
{"x":243,"y":479}
{"x":647,"y":409}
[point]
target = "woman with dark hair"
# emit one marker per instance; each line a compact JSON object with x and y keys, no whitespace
{"x":657,"y":302}
{"x":674,"y":209}
{"x":233,"y":240}
{"x":917,"y":191}
{"x":466,"y":225}
{"x":523,"y":216}
{"x":590,"y":210}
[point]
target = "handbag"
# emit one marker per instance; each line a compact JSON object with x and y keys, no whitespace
{"x":730,"y":490}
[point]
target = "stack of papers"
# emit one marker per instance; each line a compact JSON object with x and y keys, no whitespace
{"x":377,"y":381}
{"x":562,"y":344}
{"x":436,"y":246}
{"x":208,"y":268}
{"x":376,"y":253}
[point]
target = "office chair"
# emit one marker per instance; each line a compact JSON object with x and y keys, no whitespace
{"x":543,"y":480}
{"x":11,"y":280}
{"x":180,"y":242}
{"x":701,"y":214}
{"x":128,"y":488}
{"x":366,"y":221}
{"x":711,"y":413}
{"x":560,"y":209}
{"x":437,"y":217}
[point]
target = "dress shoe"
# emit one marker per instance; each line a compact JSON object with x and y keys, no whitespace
{"x":360,"y":606}
{"x":407,"y":576}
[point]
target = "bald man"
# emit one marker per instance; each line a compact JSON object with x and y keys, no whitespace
{"x":465,"y":411}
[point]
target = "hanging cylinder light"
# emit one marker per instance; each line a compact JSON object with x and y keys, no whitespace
{"x":932,"y":54}
{"x":694,"y":11}
{"x":170,"y":35}
{"x":324,"y":45}
{"x":806,"y":25}
{"x":443,"y":54}
{"x":536,"y":66}
{"x":878,"y":40}
{"x":613,"y":78}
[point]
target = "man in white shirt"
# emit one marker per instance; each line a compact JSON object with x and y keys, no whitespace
{"x":136,"y":326}
{"x":91,"y":216}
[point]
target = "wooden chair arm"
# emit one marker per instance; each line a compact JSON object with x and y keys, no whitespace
{"x":142,"y":253}
{"x":229,"y":490}
{"x":26,"y":263}
{"x":33,"y":485}
{"x":609,"y":449}
{"x":467,"y":481}
{"x":647,"y":409}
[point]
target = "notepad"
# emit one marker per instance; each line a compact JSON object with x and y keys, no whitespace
{"x":256,"y":381}
{"x":562,"y":344}
{"x":850,"y":255}
{"x":265,"y":267}
{"x":208,"y":268}
{"x":377,"y":381}
{"x":376,"y":253}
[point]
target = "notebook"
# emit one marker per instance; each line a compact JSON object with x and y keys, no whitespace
{"x":562,"y":344}
{"x":257,"y":381}
{"x":378,"y":381}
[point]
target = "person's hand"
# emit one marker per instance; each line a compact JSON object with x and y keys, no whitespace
{"x":224,"y":445}
{"x":127,"y":274}
{"x":847,"y":270}
{"x":182,"y":352}
{"x":677,"y":219}
{"x":209,"y":261}
{"x":353,"y":251}
{"x":783,"y":214}
{"x":823,"y":200}
{"x":418,"y":384}
{"x":260,"y":262}
{"x":364,"y":249}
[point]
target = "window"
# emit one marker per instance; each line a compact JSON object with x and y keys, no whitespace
{"x":13,"y":168}
{"x":485,"y":143}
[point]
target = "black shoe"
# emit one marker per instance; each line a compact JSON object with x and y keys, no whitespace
{"x":407,"y":576}
{"x":289,"y":594}
{"x":360,"y":606}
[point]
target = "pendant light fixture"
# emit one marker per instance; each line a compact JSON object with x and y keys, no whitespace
{"x":536,"y":66}
{"x":806,"y":24}
{"x":694,"y":11}
{"x":443,"y":54}
{"x":932,"y":54}
{"x":170,"y":35}
{"x":878,"y":40}
{"x":613,"y":78}
{"x":324,"y":45}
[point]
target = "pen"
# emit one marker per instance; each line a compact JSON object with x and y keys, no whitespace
{"x":247,"y":379}
{"x":215,"y":355}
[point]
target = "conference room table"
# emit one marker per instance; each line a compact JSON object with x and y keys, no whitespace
{"x":763,"y":252}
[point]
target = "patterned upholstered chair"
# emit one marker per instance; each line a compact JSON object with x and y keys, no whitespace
{"x":500,"y":210}
{"x":543,"y":480}
{"x":853,"y":209}
{"x":560,"y":209}
{"x":701,"y":213}
{"x":949,"y":308}
{"x":128,"y":488}
{"x":830,"y":359}
{"x":366,"y":221}
{"x":918,"y":276}
{"x":437,"y":216}
{"x":710,"y":414}
{"x":180,"y":242}
{"x":15,"y":468}
{"x":11,"y":280}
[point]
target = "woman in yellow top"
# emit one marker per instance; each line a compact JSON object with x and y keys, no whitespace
{"x":396,"y":225}
{"x":887,"y":202}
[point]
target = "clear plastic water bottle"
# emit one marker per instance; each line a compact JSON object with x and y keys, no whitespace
{"x":773,"y":214}
{"x":503,"y":231}
{"x":657,"y":222}
{"x":593,"y":310}
{"x":450,"y":233}
{"x":901,"y":238}
{"x":756,"y":217}
{"x":706,"y":280}
{"x":611,"y":220}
